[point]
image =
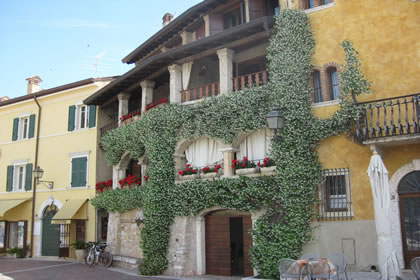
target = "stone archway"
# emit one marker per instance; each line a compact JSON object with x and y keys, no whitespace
{"x":38,"y":223}
{"x":395,"y":210}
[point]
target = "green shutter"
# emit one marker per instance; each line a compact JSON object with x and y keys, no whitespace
{"x":28,"y":179}
{"x":72,"y":117}
{"x":31,"y":126}
{"x":9,"y":184}
{"x":92,"y":116}
{"x":78,"y":172}
{"x":15,"y":129}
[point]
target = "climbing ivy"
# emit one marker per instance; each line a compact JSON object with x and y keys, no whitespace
{"x":288,"y":196}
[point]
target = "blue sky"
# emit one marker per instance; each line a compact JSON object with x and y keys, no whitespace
{"x":70,"y":40}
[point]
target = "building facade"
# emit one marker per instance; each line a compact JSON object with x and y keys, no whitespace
{"x":217,"y":48}
{"x":53,"y":130}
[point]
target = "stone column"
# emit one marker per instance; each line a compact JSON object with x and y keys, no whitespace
{"x":246,"y":10}
{"x":117,"y":175}
{"x":175,"y":83}
{"x":122,"y":105}
{"x":146,"y":94}
{"x":144,"y":162}
{"x":187,"y":37}
{"x":225,"y":70}
{"x":206,"y":19}
{"x":228,"y":156}
{"x":113,"y":234}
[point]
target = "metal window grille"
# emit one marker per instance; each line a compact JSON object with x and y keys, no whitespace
{"x":335,"y":195}
{"x":64,"y":236}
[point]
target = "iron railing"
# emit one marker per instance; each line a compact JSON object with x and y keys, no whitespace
{"x":389,"y":117}
{"x":108,"y":127}
{"x":334,"y":195}
{"x":250,"y":80}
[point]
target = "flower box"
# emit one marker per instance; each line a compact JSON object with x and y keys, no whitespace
{"x":268,"y":169}
{"x":246,"y":171}
{"x":188,"y":177}
{"x":209,"y":175}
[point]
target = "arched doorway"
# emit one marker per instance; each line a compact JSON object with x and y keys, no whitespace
{"x":409,"y":193}
{"x":50,"y":233}
{"x":228,"y":240}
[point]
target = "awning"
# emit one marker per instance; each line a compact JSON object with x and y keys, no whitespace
{"x":68,"y":211}
{"x":6,"y":205}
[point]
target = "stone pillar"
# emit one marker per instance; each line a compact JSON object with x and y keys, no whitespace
{"x":225,"y":70}
{"x":122,"y":105}
{"x":113,"y":235}
{"x":179,"y":161}
{"x":246,"y":10}
{"x":187,"y":37}
{"x":228,"y":156}
{"x":117,"y":175}
{"x":144,"y":162}
{"x":146,"y":94}
{"x":175,"y":83}
{"x":206,"y":25}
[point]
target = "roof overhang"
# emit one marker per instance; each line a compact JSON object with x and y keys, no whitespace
{"x":157,"y":62}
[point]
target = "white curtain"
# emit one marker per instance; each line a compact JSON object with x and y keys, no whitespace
{"x":256,"y":146}
{"x":186,"y":74}
{"x":203,"y":152}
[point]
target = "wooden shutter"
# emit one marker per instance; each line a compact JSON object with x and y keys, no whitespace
{"x":72,"y":117}
{"x":92,"y":116}
{"x":28,"y":175}
{"x":15,"y":129}
{"x":78,"y":174}
{"x":31,"y":126}
{"x":9,"y":184}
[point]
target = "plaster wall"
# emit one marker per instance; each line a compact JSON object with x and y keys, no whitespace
{"x":211,"y":75}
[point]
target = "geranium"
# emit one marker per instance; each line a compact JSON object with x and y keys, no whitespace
{"x":211,"y":169}
{"x":130,"y":180}
{"x":157,"y":102}
{"x":146,"y":178}
{"x":188,"y":170}
{"x":244,"y":163}
{"x":267,"y":162}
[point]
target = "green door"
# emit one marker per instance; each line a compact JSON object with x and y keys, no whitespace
{"x":50,"y":233}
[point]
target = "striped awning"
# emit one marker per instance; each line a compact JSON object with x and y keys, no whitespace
{"x":68,"y":211}
{"x":7,"y":204}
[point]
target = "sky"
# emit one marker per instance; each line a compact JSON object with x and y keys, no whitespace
{"x":66,"y":41}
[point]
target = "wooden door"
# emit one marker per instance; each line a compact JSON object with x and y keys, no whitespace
{"x":247,"y":226}
{"x":50,"y":233}
{"x":218,"y":245}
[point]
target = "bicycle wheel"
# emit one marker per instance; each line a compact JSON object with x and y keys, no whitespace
{"x":106,"y":259}
{"x":90,"y":258}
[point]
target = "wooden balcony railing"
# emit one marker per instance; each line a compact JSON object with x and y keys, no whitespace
{"x":250,"y":80}
{"x":108,"y":127}
{"x":389,"y":117}
{"x":200,"y":93}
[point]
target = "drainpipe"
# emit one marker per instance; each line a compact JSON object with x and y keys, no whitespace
{"x":35,"y":181}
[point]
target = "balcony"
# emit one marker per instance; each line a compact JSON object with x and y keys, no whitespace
{"x":108,"y":128}
{"x":396,"y":117}
{"x":200,"y":93}
{"x":250,"y":80}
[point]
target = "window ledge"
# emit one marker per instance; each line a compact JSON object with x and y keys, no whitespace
{"x":325,"y":103}
{"x":319,"y":8}
{"x":78,"y":188}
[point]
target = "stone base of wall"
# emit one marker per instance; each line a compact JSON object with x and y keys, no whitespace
{"x":126,"y":262}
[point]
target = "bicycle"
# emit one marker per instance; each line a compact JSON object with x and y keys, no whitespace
{"x":98,"y":255}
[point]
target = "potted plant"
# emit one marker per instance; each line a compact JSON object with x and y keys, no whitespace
{"x":210,"y":172}
{"x":130,"y":181}
{"x":267,"y":166}
{"x":244,"y":166}
{"x":80,"y":247}
{"x":188,"y":173}
{"x":18,"y":252}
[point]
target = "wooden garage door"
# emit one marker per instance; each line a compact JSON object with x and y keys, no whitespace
{"x":218,"y":245}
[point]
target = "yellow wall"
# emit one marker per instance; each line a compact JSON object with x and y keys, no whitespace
{"x":55,"y":149}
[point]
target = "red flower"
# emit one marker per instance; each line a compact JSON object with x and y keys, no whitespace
{"x":181,"y":173}
{"x":259,"y":164}
{"x":146,"y":178}
{"x":234,"y":160}
{"x":245,"y":159}
{"x":188,"y":165}
{"x":233,"y":166}
{"x":109,"y":183}
{"x":243,"y":164}
{"x":194,"y":171}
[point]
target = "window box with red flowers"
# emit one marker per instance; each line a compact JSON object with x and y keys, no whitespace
{"x":189,"y":173}
{"x":210,"y":172}
{"x":267,"y":166}
{"x":156,"y":103}
{"x":130,"y":181}
{"x":244,"y":166}
{"x":104,"y":186}
{"x":131,"y":117}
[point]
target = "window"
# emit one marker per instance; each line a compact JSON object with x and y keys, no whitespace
{"x":335,"y":194}
{"x":23,"y":127}
{"x":333,"y":83}
{"x":81,"y":117}
{"x":16,"y":235}
{"x":311,"y":4}
{"x":2,"y":234}
{"x":316,"y":82}
{"x":79,"y":171}
{"x":19,"y":177}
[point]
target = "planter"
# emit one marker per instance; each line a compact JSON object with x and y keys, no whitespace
{"x":268,"y":169}
{"x":209,"y":175}
{"x":254,"y":277}
{"x":80,"y":255}
{"x":188,"y":177}
{"x":246,"y":171}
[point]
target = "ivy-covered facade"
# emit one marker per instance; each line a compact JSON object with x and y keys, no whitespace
{"x":198,"y":99}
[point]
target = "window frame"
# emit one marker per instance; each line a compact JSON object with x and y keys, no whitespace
{"x":23,"y":128}
{"x":334,"y":83}
{"x":79,"y":113}
{"x":16,"y":180}
{"x":316,"y":78}
{"x":23,"y":237}
{"x":75,"y":156}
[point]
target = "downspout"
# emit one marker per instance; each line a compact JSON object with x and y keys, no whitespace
{"x":35,"y":180}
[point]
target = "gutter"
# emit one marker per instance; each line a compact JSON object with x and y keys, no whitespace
{"x":35,"y":181}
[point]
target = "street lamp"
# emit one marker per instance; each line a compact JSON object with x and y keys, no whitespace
{"x":275,"y":120}
{"x":38,"y":172}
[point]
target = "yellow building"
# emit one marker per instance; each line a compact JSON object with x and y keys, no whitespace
{"x":53,"y":130}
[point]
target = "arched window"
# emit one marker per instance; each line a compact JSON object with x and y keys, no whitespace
{"x":334,"y":87}
{"x":256,"y":146}
{"x":316,"y":84}
{"x":204,"y":152}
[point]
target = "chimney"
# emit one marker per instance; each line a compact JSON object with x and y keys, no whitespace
{"x":4,"y":98}
{"x":33,"y":84}
{"x":167,"y":18}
